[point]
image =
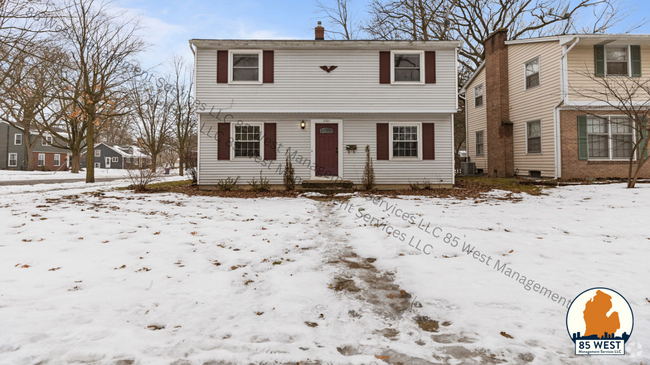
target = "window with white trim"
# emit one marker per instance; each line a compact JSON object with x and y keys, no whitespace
{"x":616,"y":60}
{"x":13,"y":160}
{"x":98,"y":153}
{"x":407,"y":66}
{"x":246,"y":66}
{"x":534,"y":137}
{"x":478,"y":96}
{"x":406,"y":140}
{"x":247,"y":139}
{"x":18,"y":139}
{"x":46,"y":140}
{"x":41,"y":159}
{"x":57,"y":160}
{"x":115,"y":159}
{"x":609,"y":137}
{"x":531,"y":70}
{"x":479,"y":143}
{"x":98,"y":165}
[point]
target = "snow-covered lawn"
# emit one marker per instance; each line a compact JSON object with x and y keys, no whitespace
{"x":11,"y":175}
{"x":89,"y":277}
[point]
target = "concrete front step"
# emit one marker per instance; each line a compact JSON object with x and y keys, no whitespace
{"x":310,"y":185}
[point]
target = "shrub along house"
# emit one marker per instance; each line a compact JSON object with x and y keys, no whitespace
{"x":529,"y":110}
{"x":321,"y":102}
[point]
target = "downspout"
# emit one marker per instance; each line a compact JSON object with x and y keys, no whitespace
{"x":556,"y":112}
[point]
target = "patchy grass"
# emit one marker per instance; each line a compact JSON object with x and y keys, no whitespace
{"x":508,"y":184}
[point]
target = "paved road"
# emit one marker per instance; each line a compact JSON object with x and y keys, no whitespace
{"x":52,"y":181}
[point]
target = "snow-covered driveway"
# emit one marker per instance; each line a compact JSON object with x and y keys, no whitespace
{"x":117,"y":278}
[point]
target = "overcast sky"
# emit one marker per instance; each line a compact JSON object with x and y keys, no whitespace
{"x":170,"y":24}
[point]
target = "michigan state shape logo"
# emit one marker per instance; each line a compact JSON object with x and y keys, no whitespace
{"x":600,"y":321}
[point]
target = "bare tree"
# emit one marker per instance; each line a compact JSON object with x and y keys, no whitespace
{"x":343,"y":23}
{"x":27,"y":94}
{"x":152,"y":117}
{"x":406,"y":19}
{"x":184,"y":117}
{"x":117,"y":131}
{"x":629,"y":97}
{"x":100,"y":41}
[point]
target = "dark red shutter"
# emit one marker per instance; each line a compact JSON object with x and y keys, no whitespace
{"x":428,"y":141}
{"x":222,"y":67}
{"x":269,"y":62}
{"x":223,"y":141}
{"x":382,"y":141}
{"x":384,"y":67}
{"x":270,"y":142}
{"x":430,"y":67}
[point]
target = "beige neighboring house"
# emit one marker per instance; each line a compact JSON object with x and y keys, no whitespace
{"x":525,"y":115}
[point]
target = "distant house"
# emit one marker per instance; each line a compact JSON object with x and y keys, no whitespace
{"x":117,"y":157}
{"x":45,"y":155}
{"x":526,"y":116}
{"x":320,"y":103}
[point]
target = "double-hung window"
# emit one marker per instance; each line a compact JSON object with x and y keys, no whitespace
{"x":46,"y":140}
{"x":246,"y":67}
{"x":13,"y":160}
{"x":534,"y":137}
{"x":116,"y":159}
{"x":616,"y":58}
{"x":405,"y":140}
{"x":480,"y":143}
{"x":57,"y":160}
{"x":609,"y":138}
{"x":18,"y":139}
{"x":478,"y":96}
{"x":98,"y":153}
{"x":531,"y":69}
{"x":407,"y":67}
{"x":248,"y":140}
{"x":41,"y":159}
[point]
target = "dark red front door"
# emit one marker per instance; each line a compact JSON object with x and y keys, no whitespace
{"x":327,"y":148}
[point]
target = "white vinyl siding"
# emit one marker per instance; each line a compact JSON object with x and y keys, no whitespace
{"x":476,"y":121}
{"x":534,"y":104}
{"x":359,"y":130}
{"x":301,"y":86}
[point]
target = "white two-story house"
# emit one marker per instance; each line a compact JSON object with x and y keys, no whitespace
{"x":321,"y":103}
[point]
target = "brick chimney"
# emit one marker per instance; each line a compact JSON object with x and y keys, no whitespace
{"x":500,"y":149}
{"x":320,"y":32}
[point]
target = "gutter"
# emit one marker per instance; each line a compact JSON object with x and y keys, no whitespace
{"x":556,"y":112}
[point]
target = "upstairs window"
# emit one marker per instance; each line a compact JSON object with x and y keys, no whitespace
{"x":46,"y":140}
{"x":617,"y":58}
{"x":532,"y":73}
{"x":246,"y":66}
{"x":405,"y":141}
{"x":478,"y":96}
{"x":98,"y":153}
{"x":407,"y":66}
{"x":18,"y":139}
{"x":247,"y":140}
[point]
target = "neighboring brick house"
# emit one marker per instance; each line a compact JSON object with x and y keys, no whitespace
{"x":117,"y":157}
{"x":45,"y":156}
{"x":524,"y":114}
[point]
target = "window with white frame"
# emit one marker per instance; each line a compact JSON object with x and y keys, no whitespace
{"x":46,"y":140}
{"x":534,"y":137}
{"x":478,"y":96}
{"x":115,"y":159}
{"x":41,"y":159}
{"x":18,"y":139}
{"x":610,"y":137}
{"x":98,"y":153}
{"x":531,"y":69}
{"x":247,"y":140}
{"x":57,"y":160}
{"x":405,"y":140}
{"x":98,"y":165}
{"x":480,"y":143}
{"x":246,"y":66}
{"x":13,"y":160}
{"x":407,"y":67}
{"x":616,"y":59}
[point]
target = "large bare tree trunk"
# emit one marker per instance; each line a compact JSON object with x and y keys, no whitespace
{"x":75,"y":162}
{"x":181,"y":161}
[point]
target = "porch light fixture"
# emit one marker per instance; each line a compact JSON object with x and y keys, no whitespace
{"x":302,"y":124}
